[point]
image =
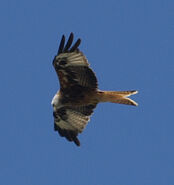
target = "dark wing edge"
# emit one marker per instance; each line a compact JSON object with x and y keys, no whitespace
{"x":68,"y":134}
{"x":70,"y":121}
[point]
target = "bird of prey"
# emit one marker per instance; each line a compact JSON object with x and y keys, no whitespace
{"x":78,"y":96}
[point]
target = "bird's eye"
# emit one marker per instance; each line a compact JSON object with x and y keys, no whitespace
{"x":63,"y":62}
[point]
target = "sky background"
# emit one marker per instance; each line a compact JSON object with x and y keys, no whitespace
{"x":129,"y":45}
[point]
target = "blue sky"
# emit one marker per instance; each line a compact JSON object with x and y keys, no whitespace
{"x":129,"y":45}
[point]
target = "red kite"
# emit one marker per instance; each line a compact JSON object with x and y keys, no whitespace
{"x":78,"y":96}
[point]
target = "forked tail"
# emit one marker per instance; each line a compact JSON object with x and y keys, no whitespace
{"x":117,"y":97}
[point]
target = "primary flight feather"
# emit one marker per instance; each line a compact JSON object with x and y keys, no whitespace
{"x":78,"y":96}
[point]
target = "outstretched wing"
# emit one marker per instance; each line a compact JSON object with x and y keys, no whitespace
{"x":73,"y":69}
{"x":69,"y":121}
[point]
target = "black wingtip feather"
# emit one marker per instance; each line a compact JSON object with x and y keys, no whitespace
{"x":72,"y":136}
{"x":61,"y":46}
{"x":76,"y":45}
{"x":76,"y":141}
{"x":69,"y":42}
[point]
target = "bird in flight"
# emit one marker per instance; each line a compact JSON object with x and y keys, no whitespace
{"x":78,"y":96}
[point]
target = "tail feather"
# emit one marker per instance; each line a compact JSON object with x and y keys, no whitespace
{"x":120,"y":97}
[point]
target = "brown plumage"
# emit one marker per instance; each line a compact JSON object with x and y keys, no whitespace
{"x":78,"y":96}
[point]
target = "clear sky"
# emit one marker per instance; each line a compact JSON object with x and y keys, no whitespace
{"x":129,"y":44}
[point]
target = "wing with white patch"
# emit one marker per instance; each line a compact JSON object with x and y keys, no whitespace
{"x":72,"y":68}
{"x":69,"y":121}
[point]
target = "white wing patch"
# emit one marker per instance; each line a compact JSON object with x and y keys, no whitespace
{"x":77,"y":120}
{"x":74,"y":121}
{"x":73,"y":59}
{"x":64,"y":125}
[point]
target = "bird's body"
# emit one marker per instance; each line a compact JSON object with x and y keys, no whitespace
{"x":78,"y":96}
